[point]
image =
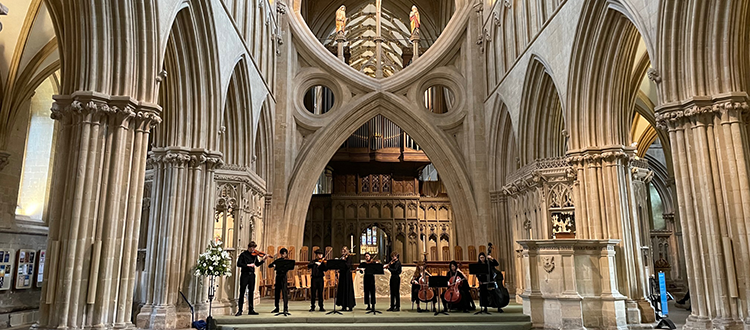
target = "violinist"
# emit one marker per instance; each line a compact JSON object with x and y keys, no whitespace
{"x":420,"y":277}
{"x":457,"y":282}
{"x":345,"y":291}
{"x":369,"y":283}
{"x":248,"y":261}
{"x":395,"y":268}
{"x":281,"y":283}
{"x":317,"y":268}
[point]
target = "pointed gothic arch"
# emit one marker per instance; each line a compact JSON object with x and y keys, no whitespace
{"x":541,"y":121}
{"x":236,"y":135}
{"x":503,"y":150}
{"x":190,"y":93}
{"x":602,"y":77}
{"x":321,"y":146}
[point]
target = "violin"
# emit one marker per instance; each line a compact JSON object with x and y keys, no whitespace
{"x":260,"y":254}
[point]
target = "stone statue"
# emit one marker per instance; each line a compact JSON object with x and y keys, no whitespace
{"x":341,"y":20}
{"x":414,"y":18}
{"x":3,"y":11}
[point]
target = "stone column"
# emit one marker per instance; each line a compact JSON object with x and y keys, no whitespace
{"x":606,"y":209}
{"x":506,"y":247}
{"x":340,"y":40}
{"x":95,"y":208}
{"x":708,"y":136}
{"x":181,"y":225}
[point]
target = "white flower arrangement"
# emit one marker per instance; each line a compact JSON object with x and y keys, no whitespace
{"x":214,"y":262}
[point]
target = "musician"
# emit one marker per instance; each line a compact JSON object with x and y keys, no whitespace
{"x":455,"y":275}
{"x":317,"y":268}
{"x":395,"y":267}
{"x":248,"y":261}
{"x":369,"y":283}
{"x":281,"y":283}
{"x":488,"y":298}
{"x":345,"y":291}
{"x":415,"y":285}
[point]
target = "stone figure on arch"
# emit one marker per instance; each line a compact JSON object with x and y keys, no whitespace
{"x":414,"y":20}
{"x":341,"y":20}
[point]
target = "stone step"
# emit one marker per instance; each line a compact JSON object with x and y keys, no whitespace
{"x":391,"y":324}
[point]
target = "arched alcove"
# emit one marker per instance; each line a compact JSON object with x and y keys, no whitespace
{"x":541,"y":121}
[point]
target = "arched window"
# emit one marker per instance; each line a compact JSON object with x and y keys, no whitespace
{"x":37,"y":160}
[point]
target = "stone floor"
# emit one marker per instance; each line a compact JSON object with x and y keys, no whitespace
{"x":301,"y":318}
{"x":677,"y":315}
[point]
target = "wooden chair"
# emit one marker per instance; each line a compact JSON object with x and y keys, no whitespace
{"x":458,"y":253}
{"x":306,"y":281}
{"x":292,"y":253}
{"x":472,"y":253}
{"x":304,"y":254}
{"x":298,"y":286}
{"x":261,"y":284}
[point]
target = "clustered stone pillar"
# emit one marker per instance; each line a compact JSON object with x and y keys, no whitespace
{"x":605,"y":209}
{"x":506,"y":252}
{"x":181,"y":225}
{"x":710,"y":151}
{"x":95,"y":209}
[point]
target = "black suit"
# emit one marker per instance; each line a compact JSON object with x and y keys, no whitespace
{"x":395,"y":284}
{"x":247,"y":278}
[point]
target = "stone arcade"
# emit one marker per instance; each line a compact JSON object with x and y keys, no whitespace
{"x":594,"y":142}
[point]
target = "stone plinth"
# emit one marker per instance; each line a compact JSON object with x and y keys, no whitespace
{"x":572,"y":284}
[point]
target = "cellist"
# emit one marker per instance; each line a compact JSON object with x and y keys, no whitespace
{"x":457,"y":281}
{"x":420,"y":275}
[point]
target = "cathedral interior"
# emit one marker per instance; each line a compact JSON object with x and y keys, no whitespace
{"x":594,"y":144}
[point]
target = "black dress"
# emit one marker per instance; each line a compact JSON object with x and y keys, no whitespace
{"x":415,"y":288}
{"x":345,"y":294}
{"x":466,"y":302}
{"x":488,"y":297}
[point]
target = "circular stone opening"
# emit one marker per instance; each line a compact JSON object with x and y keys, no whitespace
{"x":439,"y":99}
{"x":319,"y":99}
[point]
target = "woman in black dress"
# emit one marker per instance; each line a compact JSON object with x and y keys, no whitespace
{"x":345,"y":294}
{"x":489,"y":298}
{"x":415,"y":286}
{"x":466,"y":303}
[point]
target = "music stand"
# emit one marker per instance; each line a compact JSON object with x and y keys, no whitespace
{"x":284,"y":265}
{"x":375,"y":268}
{"x":480,"y":269}
{"x":437,"y":281}
{"x":336,"y":264}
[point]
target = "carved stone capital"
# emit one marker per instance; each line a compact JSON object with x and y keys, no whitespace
{"x":673,"y":115}
{"x":81,"y":105}
{"x":4,"y":159}
{"x":3,"y":11}
{"x":595,"y":156}
{"x":182,"y":157}
{"x":281,"y":7}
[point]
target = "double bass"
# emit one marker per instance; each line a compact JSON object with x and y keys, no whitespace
{"x":425,"y":293}
{"x":453,"y":294}
{"x":497,"y":291}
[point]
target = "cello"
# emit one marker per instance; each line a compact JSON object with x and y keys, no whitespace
{"x":425,"y":293}
{"x":453,"y":294}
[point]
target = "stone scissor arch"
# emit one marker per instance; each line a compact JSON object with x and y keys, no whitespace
{"x":315,"y":154}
